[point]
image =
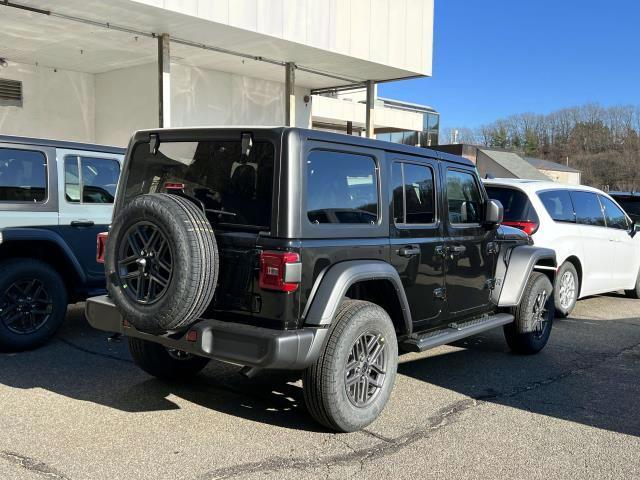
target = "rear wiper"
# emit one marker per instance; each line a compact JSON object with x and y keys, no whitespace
{"x":221,"y":212}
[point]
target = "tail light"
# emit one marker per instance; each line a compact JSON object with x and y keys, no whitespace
{"x":528,"y":227}
{"x":101,"y":245}
{"x":280,"y":271}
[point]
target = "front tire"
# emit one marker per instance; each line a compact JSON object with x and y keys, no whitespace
{"x":635,"y":292}
{"x":350,"y":383}
{"x":165,"y":363}
{"x":33,"y":303}
{"x":534,"y":316}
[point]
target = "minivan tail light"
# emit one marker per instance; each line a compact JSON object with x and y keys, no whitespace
{"x":101,"y":246}
{"x":528,"y":227}
{"x":279,"y":271}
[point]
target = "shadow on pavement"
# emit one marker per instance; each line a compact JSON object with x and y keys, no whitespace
{"x":587,"y":374}
{"x":81,"y":364}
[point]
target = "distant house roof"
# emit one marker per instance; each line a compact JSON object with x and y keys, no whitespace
{"x":515,"y":164}
{"x":547,"y":165}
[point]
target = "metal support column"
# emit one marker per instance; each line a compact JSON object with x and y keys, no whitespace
{"x":289,"y":95}
{"x":164,"y":81}
{"x":371,"y":100}
{"x":349,"y":128}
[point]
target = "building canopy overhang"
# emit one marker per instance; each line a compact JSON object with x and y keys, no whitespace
{"x":95,"y":36}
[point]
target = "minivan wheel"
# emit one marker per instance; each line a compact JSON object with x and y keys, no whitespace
{"x":534,"y":316}
{"x":163,"y":362}
{"x":350,"y":383}
{"x":33,"y":303}
{"x":567,"y":288}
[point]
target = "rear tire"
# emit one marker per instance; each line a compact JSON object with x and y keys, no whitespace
{"x":536,"y":310}
{"x":33,"y":303}
{"x":164,"y":363}
{"x":350,"y":383}
{"x":566,"y":290}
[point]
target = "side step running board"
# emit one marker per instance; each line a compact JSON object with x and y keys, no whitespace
{"x":454,"y":331}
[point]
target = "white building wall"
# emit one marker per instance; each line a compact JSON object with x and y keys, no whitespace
{"x":126,"y":101}
{"x":398,"y":33}
{"x":208,"y":97}
{"x":56,"y":104}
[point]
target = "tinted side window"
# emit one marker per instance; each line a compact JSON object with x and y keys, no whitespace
{"x":23,"y":175}
{"x":558,"y":204}
{"x":463,"y":197}
{"x":413,"y":195}
{"x":98,"y":181}
{"x":588,"y":208}
{"x":614,"y":215}
{"x":341,"y":188}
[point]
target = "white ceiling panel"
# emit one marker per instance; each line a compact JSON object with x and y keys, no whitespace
{"x":28,"y":37}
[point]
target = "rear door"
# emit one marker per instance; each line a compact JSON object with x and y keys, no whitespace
{"x":87,"y":186}
{"x":416,"y":238}
{"x":234,"y":189}
{"x":470,"y":247}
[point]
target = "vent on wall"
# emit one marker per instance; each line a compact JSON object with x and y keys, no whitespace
{"x":10,"y":93}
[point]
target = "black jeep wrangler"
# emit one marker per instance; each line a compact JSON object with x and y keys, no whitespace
{"x":304,"y":250}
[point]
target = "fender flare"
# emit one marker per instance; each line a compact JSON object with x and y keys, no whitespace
{"x":522,"y":261}
{"x":331,"y":286}
{"x":34,"y":234}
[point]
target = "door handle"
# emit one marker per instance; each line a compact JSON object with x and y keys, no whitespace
{"x":457,"y":250}
{"x":82,"y":223}
{"x":409,"y":251}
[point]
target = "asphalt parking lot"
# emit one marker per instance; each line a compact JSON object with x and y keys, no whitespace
{"x":79,"y":409}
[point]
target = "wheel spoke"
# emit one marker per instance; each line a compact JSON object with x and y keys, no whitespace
{"x":353,"y":379}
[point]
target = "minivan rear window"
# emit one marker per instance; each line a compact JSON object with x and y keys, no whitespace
{"x":517,"y":207}
{"x":234,"y":189}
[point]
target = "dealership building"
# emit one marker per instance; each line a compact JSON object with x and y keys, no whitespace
{"x":95,"y":71}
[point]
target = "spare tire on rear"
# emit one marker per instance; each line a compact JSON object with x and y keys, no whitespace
{"x":161,"y":262}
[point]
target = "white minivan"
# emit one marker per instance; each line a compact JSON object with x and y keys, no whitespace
{"x":597,"y":249}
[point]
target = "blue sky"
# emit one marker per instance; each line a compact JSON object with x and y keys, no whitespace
{"x":493,"y":58}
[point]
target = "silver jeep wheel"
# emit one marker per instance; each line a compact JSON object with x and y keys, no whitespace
{"x":365,"y":369}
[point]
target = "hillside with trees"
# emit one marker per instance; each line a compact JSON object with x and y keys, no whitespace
{"x":602,"y":142}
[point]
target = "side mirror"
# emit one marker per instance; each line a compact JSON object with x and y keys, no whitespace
{"x":494,"y":213}
{"x":635,"y":228}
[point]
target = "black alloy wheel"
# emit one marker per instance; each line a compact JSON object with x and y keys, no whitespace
{"x":145,"y":263}
{"x":25,"y":306}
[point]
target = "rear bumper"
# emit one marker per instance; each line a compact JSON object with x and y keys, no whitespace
{"x":236,"y":343}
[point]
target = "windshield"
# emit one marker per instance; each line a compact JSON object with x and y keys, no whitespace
{"x":234,"y":189}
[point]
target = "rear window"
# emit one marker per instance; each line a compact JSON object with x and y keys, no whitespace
{"x":559,"y":205}
{"x":517,"y":207}
{"x":23,"y":175}
{"x":341,"y":188}
{"x":235,"y":189}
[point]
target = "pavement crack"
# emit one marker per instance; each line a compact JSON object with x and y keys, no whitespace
{"x":32,"y":465}
{"x":441,"y":419}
